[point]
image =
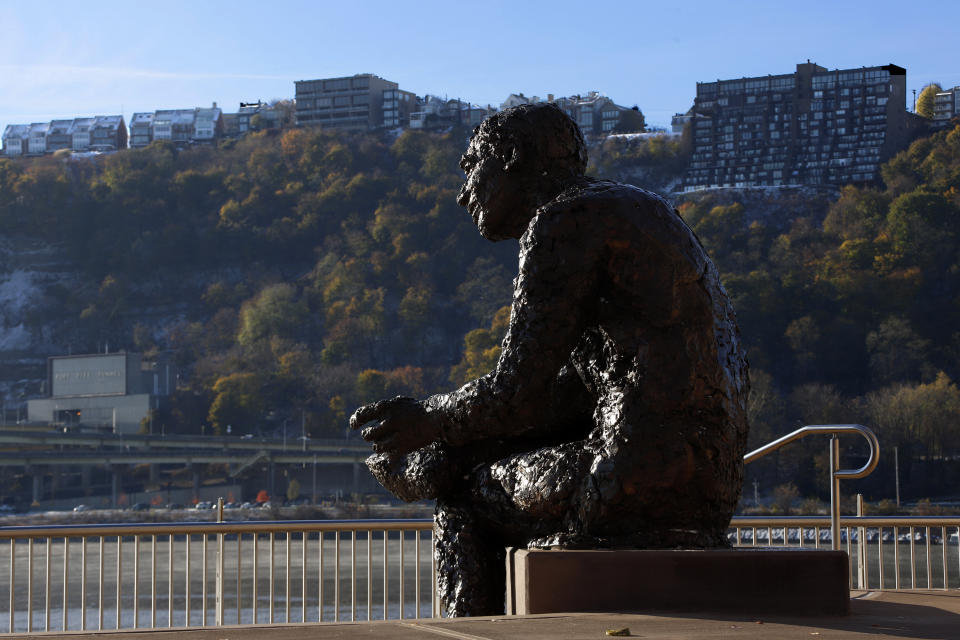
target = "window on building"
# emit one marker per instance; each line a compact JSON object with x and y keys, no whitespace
{"x":339,"y":84}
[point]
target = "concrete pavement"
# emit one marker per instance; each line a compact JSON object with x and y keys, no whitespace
{"x":888,"y":614}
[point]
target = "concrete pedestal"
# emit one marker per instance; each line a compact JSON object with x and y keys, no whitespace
{"x":751,"y":581}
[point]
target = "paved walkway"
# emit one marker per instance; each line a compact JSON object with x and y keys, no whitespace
{"x":928,"y":615}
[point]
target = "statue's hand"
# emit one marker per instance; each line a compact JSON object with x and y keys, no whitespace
{"x":403,"y":425}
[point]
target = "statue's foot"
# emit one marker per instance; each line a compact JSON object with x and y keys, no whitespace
{"x":568,"y":540}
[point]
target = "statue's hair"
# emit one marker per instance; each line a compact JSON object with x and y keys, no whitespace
{"x":549,"y":141}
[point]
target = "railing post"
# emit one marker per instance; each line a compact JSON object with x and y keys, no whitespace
{"x":220,"y":565}
{"x":861,"y":547}
{"x":835,"y":491}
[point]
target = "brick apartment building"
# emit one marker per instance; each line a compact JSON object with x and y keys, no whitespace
{"x":811,"y":127}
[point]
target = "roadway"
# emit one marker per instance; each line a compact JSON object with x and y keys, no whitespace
{"x":28,"y":448}
{"x":142,"y":441}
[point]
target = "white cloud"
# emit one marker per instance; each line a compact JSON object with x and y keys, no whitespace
{"x":36,"y":73}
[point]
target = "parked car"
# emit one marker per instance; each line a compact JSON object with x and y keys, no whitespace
{"x":202,"y":505}
{"x":140,"y":506}
{"x":82,"y":507}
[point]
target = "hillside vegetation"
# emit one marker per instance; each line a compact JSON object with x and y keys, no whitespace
{"x":310,"y":271}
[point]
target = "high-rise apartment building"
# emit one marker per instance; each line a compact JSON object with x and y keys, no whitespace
{"x":353,"y":102}
{"x":811,"y":127}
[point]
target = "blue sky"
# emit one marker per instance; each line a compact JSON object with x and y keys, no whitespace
{"x":66,"y":59}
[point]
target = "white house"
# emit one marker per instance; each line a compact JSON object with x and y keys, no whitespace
{"x":16,"y":139}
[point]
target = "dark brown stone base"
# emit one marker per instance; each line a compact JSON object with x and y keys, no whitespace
{"x":751,"y":581}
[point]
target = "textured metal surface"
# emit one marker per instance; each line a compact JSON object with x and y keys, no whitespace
{"x":615,"y":416}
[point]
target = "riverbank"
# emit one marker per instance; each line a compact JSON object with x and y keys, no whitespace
{"x":326,"y":511}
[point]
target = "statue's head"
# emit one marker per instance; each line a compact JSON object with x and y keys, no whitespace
{"x":517,"y":160}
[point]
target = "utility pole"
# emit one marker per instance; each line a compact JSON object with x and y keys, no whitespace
{"x":756,"y":492}
{"x":914,"y":100}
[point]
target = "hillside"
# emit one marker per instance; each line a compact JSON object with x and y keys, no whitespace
{"x":308,"y":272}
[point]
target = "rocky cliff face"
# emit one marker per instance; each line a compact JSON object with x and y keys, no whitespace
{"x":33,"y":276}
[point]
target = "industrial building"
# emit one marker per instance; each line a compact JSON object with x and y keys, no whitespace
{"x":109,"y":392}
{"x":811,"y":127}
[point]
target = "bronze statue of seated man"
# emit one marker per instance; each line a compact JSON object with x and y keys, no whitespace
{"x":616,"y":414}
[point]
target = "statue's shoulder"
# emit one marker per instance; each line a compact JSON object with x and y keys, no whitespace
{"x":593,"y":192}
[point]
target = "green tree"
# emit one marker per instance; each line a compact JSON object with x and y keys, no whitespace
{"x":897,"y":353}
{"x":926,"y":100}
{"x":275,"y":311}
{"x":481,"y":349}
{"x":238,"y":401}
{"x":293,"y":489}
{"x":631,"y":121}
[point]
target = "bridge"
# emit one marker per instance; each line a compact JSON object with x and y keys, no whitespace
{"x":38,"y":451}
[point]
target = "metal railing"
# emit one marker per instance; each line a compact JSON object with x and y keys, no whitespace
{"x":836,"y":474}
{"x":96,"y":577}
{"x":885,"y":552}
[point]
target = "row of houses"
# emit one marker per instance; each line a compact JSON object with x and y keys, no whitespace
{"x":595,"y":114}
{"x":201,"y":125}
{"x":180,"y":126}
{"x":183,"y":127}
{"x":100,"y":133}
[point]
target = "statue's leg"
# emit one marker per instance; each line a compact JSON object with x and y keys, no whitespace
{"x":511,"y":502}
{"x":471,"y":574}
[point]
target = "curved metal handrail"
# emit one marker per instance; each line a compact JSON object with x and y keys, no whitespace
{"x":836,"y":474}
{"x":814,"y":429}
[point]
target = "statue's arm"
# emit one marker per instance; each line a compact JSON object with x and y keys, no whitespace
{"x":554,"y":298}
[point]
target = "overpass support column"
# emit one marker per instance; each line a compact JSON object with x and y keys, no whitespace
{"x":273,"y":480}
{"x":37,"y":473}
{"x":154,"y":472}
{"x":85,"y":474}
{"x":356,"y":480}
{"x":195,"y":470}
{"x":116,"y":483}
